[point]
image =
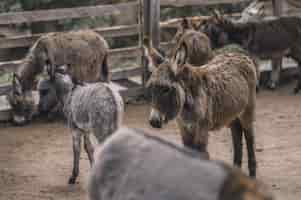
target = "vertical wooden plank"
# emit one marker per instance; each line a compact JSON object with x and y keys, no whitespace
{"x":146,"y":34}
{"x":155,"y":23}
{"x":151,"y":28}
{"x":277,"y":7}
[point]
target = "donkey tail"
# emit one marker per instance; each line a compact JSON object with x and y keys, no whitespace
{"x":104,"y":70}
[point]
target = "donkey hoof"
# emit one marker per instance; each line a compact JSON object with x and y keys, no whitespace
{"x":71,"y":180}
{"x":272,"y":86}
{"x":296,"y":90}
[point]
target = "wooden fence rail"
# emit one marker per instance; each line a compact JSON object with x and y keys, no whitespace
{"x":64,"y":13}
{"x":181,"y":3}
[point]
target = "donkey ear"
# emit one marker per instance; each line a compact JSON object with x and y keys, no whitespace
{"x":16,"y":84}
{"x":185,"y":23}
{"x":180,"y":56}
{"x":217,"y":15}
{"x":153,"y":57}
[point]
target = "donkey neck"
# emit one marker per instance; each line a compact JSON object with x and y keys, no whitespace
{"x":27,"y":73}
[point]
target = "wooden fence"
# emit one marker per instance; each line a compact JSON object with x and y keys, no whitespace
{"x":149,"y":24}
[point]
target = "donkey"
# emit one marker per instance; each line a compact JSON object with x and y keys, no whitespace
{"x":271,"y":39}
{"x":199,"y":50}
{"x":124,"y":169}
{"x":84,"y":52}
{"x":205,"y":98}
{"x":95,"y":108}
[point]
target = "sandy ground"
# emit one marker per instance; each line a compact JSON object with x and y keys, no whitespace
{"x":35,"y":161}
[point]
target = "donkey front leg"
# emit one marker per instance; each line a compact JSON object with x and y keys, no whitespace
{"x":275,"y":74}
{"x":249,"y":136}
{"x":76,"y":144}
{"x":192,"y":140}
{"x":236,"y":131}
{"x":89,"y":148}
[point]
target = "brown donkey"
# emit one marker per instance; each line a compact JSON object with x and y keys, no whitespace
{"x":206,"y":98}
{"x":83,"y":52}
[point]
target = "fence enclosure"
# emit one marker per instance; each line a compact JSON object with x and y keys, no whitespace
{"x":148,"y":24}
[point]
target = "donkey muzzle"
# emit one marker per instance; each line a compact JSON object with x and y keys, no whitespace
{"x":156,"y":120}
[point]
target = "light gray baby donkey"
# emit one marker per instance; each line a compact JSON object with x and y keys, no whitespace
{"x":91,"y":108}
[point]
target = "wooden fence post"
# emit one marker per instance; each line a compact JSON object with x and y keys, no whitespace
{"x":151,"y":29}
{"x":277,"y":62}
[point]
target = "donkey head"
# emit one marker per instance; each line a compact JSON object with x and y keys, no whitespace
{"x":193,"y":23}
{"x":167,"y":94}
{"x":54,"y":89}
{"x":215,"y":28}
{"x":21,"y":101}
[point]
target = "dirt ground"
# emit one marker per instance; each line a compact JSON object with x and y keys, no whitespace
{"x":35,"y":161}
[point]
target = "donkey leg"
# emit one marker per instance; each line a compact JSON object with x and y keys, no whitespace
{"x":250,"y":140}
{"x":275,"y":74}
{"x":298,"y":86}
{"x":192,"y":141}
{"x":76,"y":140}
{"x":236,"y":131}
{"x":296,"y":55}
{"x":201,"y":141}
{"x":89,"y":148}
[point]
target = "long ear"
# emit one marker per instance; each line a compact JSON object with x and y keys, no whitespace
{"x":180,"y":57}
{"x":153,"y":56}
{"x":217,"y":15}
{"x":16,"y":83}
{"x":185,"y":23}
{"x":50,"y":71}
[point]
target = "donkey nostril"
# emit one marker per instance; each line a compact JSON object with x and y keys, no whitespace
{"x":155,"y":123}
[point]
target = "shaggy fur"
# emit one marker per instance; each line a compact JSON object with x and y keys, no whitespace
{"x":83,"y":52}
{"x":197,"y":44}
{"x":191,"y":37}
{"x":271,"y":39}
{"x":207,"y":98}
{"x":94,"y":108}
{"x":124,"y":169}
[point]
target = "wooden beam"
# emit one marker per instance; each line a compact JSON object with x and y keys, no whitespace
{"x":64,"y":13}
{"x":117,"y":74}
{"x":129,"y":52}
{"x":277,"y":7}
{"x":109,"y":32}
{"x":28,"y":40}
{"x":181,"y":3}
{"x":126,"y":73}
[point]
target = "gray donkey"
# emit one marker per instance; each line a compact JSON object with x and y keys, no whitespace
{"x":92,"y":108}
{"x":135,"y":165}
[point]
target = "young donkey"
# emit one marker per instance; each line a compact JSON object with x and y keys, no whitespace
{"x":270,"y":39}
{"x":218,"y":94}
{"x":124,"y":169}
{"x":93,"y":108}
{"x":84,"y":52}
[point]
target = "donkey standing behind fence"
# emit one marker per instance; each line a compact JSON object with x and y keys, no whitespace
{"x":199,"y":49}
{"x":134,"y":165}
{"x":93,"y":108}
{"x":270,"y":39}
{"x":206,"y":98}
{"x":83,"y":52}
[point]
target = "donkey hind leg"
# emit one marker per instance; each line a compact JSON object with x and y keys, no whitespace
{"x":89,"y":148}
{"x":76,"y":143}
{"x":250,"y":141}
{"x":298,"y":86}
{"x":275,"y":74}
{"x":236,"y":131}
